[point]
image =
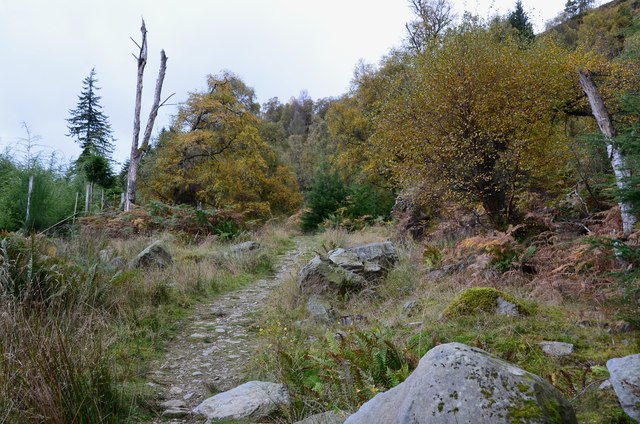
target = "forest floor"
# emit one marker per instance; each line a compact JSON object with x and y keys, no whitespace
{"x":214,"y":347}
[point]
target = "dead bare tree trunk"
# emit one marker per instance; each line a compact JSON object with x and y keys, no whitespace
{"x":620,"y":169}
{"x":138,"y":151}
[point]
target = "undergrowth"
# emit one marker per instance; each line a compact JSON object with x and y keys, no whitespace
{"x":77,"y":331}
{"x":566,"y":285}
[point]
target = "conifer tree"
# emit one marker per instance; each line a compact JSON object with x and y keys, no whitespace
{"x":88,"y":125}
{"x":519,"y":20}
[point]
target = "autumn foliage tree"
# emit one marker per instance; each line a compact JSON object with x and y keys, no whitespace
{"x":474,"y":120}
{"x":215,"y":155}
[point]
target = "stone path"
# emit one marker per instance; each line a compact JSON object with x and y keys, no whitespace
{"x":212,"y":351}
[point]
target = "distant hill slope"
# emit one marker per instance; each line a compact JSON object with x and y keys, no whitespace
{"x":611,"y":29}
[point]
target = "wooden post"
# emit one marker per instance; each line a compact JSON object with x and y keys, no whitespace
{"x":75,"y":208}
{"x":101,"y":200}
{"x":26,"y":220}
{"x":620,"y":168}
{"x":87,"y":198}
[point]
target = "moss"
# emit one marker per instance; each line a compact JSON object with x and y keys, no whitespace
{"x":525,"y":412}
{"x":524,"y":388}
{"x":480,"y":299}
{"x":553,"y":412}
{"x":487,"y":393}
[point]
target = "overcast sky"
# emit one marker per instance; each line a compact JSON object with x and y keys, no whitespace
{"x":278,"y":47}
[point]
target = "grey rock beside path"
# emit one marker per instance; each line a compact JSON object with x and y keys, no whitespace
{"x":254,"y":400}
{"x":457,"y":383}
{"x":366,"y":260}
{"x":153,"y":255}
{"x":625,"y":379}
{"x":322,"y":277}
{"x":320,"y":310}
{"x":245,"y":247}
{"x":557,"y":349}
{"x":347,"y":270}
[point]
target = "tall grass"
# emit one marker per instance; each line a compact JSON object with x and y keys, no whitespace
{"x":77,"y":333}
{"x":55,"y":364}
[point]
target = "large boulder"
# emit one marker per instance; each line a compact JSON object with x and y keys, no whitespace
{"x":254,"y":400}
{"x":321,"y":276}
{"x":370,"y":260}
{"x":153,"y":255}
{"x":625,"y":379}
{"x":347,"y":270}
{"x":455,"y":383}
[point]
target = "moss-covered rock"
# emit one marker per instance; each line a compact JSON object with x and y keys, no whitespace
{"x":485,"y":299}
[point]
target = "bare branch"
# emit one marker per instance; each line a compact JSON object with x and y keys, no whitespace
{"x":156,"y":101}
{"x":138,"y":152}
{"x":136,"y":43}
{"x":433,"y":18}
{"x":165,"y":101}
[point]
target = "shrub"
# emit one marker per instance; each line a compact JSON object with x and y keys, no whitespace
{"x":351,"y":207}
{"x":628,"y":279}
{"x":365,"y":200}
{"x":326,"y":196}
{"x":157,"y":216}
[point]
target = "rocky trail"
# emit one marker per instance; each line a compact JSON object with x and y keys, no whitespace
{"x":213,"y":349}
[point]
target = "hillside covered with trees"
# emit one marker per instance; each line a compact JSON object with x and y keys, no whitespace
{"x":495,"y":158}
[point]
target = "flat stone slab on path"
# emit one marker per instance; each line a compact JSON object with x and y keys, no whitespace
{"x":255,"y":400}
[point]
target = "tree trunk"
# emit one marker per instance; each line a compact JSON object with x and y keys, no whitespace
{"x":620,"y":169}
{"x":137,"y":153}
{"x":26,"y":220}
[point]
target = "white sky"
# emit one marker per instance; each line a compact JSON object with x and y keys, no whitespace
{"x":278,"y":47}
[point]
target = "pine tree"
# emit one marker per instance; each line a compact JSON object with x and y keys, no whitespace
{"x":88,"y":125}
{"x":520,"y":21}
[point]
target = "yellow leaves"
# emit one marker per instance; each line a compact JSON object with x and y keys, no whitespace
{"x":217,"y":156}
{"x":476,"y":115}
